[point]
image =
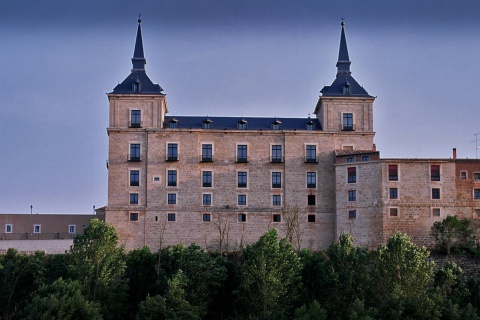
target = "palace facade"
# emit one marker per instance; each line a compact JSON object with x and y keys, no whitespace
{"x":221,"y":182}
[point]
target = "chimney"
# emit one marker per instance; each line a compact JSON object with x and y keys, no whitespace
{"x":454,"y":153}
{"x":374,"y":147}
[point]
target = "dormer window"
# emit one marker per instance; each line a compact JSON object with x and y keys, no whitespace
{"x":310,"y":125}
{"x":276,"y":125}
{"x":137,"y":86}
{"x":207,"y":124}
{"x":173,"y":124}
{"x":346,"y":88}
{"x":242,"y":124}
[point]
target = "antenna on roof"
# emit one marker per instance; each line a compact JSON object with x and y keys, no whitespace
{"x":476,"y":144}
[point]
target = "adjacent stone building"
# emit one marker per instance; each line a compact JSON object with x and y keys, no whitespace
{"x":221,"y":182}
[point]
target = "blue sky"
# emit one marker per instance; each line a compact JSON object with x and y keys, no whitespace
{"x":230,"y":58}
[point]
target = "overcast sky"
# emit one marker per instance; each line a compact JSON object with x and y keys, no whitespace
{"x":222,"y":58}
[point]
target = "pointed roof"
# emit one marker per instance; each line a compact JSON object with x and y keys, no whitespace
{"x":344,"y":84}
{"x":138,"y":82}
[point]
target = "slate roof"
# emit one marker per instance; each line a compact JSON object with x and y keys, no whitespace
{"x":231,"y":123}
{"x":344,"y":84}
{"x":138,"y":75}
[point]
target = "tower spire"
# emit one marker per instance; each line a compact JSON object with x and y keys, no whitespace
{"x":138,"y":60}
{"x":343,"y":63}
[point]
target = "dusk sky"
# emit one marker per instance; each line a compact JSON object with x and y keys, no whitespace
{"x":223,"y":58}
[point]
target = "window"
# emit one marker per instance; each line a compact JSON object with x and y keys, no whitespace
{"x":207,"y":153}
{"x":171,"y":217}
{"x":207,"y":199}
{"x":173,"y":124}
{"x":476,"y":194}
{"x":352,"y":195}
{"x":133,"y":216}
{"x":476,"y":176}
{"x":156,"y":179}
{"x":393,"y":193}
{"x":347,"y":124}
{"x":311,"y":154}
{"x":172,"y":152}
{"x":133,"y":198}
{"x":207,"y":124}
{"x":392,"y":172}
{"x":463,"y":175}
{"x":8,"y":228}
{"x":436,"y":193}
{"x":134,"y":152}
{"x":171,"y":198}
{"x":72,"y":229}
{"x":311,"y":218}
{"x":311,"y":200}
{"x":242,"y":217}
{"x":277,"y":218}
{"x":134,"y":178}
{"x":206,"y":217}
{"x":276,"y":179}
{"x":352,"y":174}
{"x":436,"y":212}
{"x":242,"y":124}
{"x":242,"y":155}
{"x":365,"y":158}
{"x":311,"y":179}
{"x":435,"y":172}
{"x":37,"y":228}
{"x":352,"y":214}
{"x":207,"y":179}
{"x":241,"y":179}
{"x":242,"y":200}
{"x":135,"y":119}
{"x":393,"y":212}
{"x":310,"y":125}
{"x":350,"y":159}
{"x":276,"y":125}
{"x":276,"y":200}
{"x":172,"y":178}
{"x":276,"y":154}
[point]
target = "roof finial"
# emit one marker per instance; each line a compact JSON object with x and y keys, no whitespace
{"x":343,"y":22}
{"x":139,"y":17}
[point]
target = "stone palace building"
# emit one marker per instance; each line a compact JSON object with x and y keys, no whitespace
{"x":221,"y":182}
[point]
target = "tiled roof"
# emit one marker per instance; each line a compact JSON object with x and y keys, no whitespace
{"x":232,"y":123}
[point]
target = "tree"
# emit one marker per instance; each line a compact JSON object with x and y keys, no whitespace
{"x":61,"y":300}
{"x":171,"y":305}
{"x":20,"y":275}
{"x":338,"y":276}
{"x":293,"y":226}
{"x":99,"y":266}
{"x":270,"y":280}
{"x":452,"y":232}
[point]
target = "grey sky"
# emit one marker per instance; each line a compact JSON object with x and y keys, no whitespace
{"x":231,"y":58}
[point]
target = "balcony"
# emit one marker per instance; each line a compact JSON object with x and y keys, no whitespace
{"x":134,"y":124}
{"x":276,"y":159}
{"x":276,"y":185}
{"x":242,"y":160}
{"x":348,"y":127}
{"x":311,"y":159}
{"x":134,"y":158}
{"x":206,"y":158}
{"x":172,"y":158}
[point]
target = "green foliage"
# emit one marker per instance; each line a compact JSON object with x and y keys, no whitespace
{"x":337,"y":277}
{"x":203,"y":274}
{"x":20,"y":275}
{"x":60,"y":300}
{"x":402,"y":268}
{"x":453,"y":233}
{"x":312,"y":311}
{"x":99,"y":265}
{"x":269,"y":278}
{"x":172,"y":305}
